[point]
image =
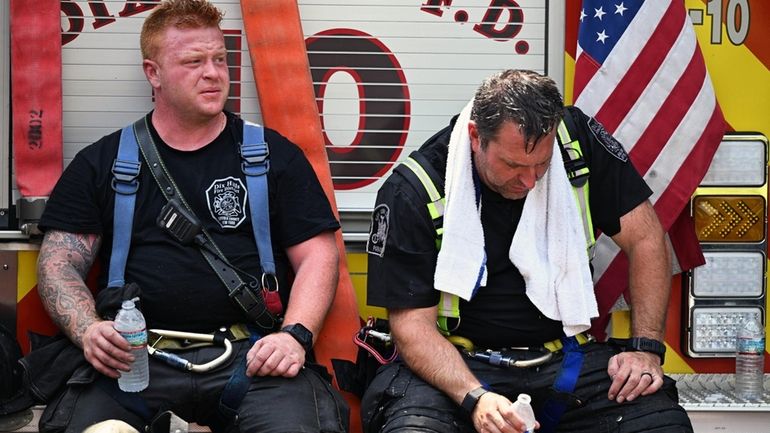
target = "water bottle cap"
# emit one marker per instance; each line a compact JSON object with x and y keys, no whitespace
{"x":524,"y":398}
{"x":128,"y":304}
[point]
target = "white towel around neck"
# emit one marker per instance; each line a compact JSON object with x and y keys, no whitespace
{"x":549,"y":252}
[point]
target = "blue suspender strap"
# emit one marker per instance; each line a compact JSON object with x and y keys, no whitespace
{"x":235,"y":389}
{"x":255,"y":166}
{"x":125,"y":182}
{"x":565,"y":382}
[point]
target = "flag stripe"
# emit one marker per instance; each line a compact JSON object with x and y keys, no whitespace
{"x":607,"y":252}
{"x":663,"y":125}
{"x":628,"y":91}
{"x":591,"y":98}
{"x":676,"y":152}
{"x":650,"y":88}
{"x":662,"y":85}
{"x":689,"y":176}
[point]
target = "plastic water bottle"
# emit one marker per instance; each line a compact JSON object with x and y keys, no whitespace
{"x":130,"y":323}
{"x":524,"y":410}
{"x":750,"y":358}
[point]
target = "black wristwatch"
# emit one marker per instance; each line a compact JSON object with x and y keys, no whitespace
{"x":472,"y":399}
{"x":641,"y":344}
{"x":301,"y":334}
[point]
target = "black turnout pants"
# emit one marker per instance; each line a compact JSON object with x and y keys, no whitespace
{"x":305,"y":403}
{"x":399,"y":401}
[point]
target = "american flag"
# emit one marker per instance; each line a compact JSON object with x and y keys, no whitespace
{"x":640,"y":73}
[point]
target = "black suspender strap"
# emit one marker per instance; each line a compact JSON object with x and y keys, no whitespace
{"x":248,"y":298}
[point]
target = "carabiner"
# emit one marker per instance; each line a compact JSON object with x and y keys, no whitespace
{"x":181,"y":363}
{"x":500,"y":359}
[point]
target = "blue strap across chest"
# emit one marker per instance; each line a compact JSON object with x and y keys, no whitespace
{"x":125,"y":182}
{"x":125,"y":170}
{"x":255,"y":166}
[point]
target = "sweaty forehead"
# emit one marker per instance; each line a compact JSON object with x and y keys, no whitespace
{"x":511,"y":141}
{"x":208,"y":37}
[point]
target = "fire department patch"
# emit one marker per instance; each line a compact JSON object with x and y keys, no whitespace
{"x":609,"y":142}
{"x":378,"y":233}
{"x":227,"y":201}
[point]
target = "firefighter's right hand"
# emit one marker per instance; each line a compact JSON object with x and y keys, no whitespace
{"x":106,"y":350}
{"x":494,"y":413}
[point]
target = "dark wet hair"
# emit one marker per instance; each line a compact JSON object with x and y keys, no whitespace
{"x":529,"y":99}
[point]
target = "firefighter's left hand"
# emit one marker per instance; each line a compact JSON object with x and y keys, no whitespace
{"x":277,"y":354}
{"x":634,"y":374}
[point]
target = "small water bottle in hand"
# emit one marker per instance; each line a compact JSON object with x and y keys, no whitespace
{"x":524,"y":411}
{"x":130,"y":323}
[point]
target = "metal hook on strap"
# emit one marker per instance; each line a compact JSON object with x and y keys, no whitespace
{"x":501,"y":359}
{"x":183,"y":364}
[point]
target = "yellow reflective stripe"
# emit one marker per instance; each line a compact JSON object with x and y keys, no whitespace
{"x":564,"y":136}
{"x":442,"y":325}
{"x":436,"y":209}
{"x":581,"y":193}
{"x":573,"y":152}
{"x":556,"y":345}
{"x":433,"y":211}
{"x":424,"y":179}
{"x":448,"y":308}
{"x":449,"y":305}
{"x":437,"y":205}
{"x":581,"y":198}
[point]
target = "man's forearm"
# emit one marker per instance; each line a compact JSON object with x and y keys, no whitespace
{"x":431,"y":356}
{"x":64,"y":260}
{"x":316,"y":266}
{"x":650,"y":288}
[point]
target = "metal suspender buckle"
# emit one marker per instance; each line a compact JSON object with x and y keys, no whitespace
{"x":255,"y":156}
{"x":125,"y":176}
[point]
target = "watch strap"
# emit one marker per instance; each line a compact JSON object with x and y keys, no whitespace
{"x":303,"y":335}
{"x":472,"y":399}
{"x":641,"y":344}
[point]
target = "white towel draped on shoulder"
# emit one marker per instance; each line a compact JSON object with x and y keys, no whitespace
{"x":548,"y":248}
{"x":461,"y":264}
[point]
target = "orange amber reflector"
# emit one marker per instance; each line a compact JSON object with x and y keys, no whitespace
{"x":729,"y":218}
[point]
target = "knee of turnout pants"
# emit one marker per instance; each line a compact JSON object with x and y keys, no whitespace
{"x":399,"y":401}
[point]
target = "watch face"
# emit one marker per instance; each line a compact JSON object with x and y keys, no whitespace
{"x":647,"y":345}
{"x":300,"y":333}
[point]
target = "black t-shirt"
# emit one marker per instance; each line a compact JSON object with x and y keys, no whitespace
{"x":179,"y":289}
{"x":403,"y":263}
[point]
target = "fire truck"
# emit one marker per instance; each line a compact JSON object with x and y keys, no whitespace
{"x":385,"y":76}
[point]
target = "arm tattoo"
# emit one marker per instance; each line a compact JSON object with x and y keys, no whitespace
{"x":63,"y":263}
